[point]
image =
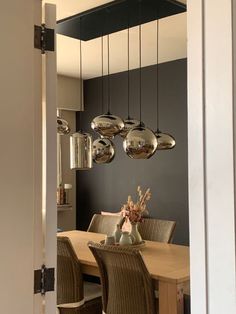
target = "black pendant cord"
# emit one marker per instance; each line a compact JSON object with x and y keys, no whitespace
{"x":140,"y":63}
{"x":140,"y":74}
{"x":80,"y":74}
{"x":102,"y":83}
{"x":80,"y":126}
{"x":157,"y":75}
{"x":128,"y":74}
{"x":108,"y":75}
{"x":128,"y":63}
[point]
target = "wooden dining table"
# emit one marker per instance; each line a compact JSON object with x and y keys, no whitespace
{"x":168,"y":265}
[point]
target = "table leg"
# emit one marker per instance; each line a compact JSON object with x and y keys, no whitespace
{"x":171,"y":298}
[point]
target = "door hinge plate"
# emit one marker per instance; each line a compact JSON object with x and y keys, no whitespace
{"x":44,"y":280}
{"x":44,"y":38}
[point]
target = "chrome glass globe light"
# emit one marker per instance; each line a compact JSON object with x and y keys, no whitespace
{"x":140,"y":143}
{"x":103,"y":151}
{"x":129,"y":124}
{"x":62,"y":126}
{"x":107,"y":125}
{"x":164,"y":141}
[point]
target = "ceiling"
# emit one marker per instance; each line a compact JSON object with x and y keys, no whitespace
{"x":172,"y":43}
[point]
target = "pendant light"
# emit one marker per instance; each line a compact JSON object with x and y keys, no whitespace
{"x":62,"y":126}
{"x":103,"y":149}
{"x":81,"y":151}
{"x":164,"y":140}
{"x":81,"y":142}
{"x":140,"y":142}
{"x":107,"y":125}
{"x":129,"y":122}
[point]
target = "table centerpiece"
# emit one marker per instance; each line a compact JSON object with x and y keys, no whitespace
{"x":134,"y":211}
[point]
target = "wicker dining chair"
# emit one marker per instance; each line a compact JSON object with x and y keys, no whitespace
{"x":126,"y":283}
{"x":157,"y":230}
{"x":74,"y":296}
{"x":105,"y":224}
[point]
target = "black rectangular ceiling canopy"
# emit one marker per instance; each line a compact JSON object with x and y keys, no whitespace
{"x":116,"y":16}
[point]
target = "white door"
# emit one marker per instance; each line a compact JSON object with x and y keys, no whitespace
{"x":27,"y":163}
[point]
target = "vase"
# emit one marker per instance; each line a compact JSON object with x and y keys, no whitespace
{"x":135,"y":233}
{"x":125,"y":238}
{"x":117,"y":233}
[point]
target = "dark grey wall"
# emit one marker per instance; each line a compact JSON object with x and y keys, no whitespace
{"x":106,"y":187}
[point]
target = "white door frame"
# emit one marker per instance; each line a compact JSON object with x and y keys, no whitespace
{"x":211,"y":137}
{"x":50,"y":154}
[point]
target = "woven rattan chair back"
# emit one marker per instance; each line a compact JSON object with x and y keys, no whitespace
{"x":69,"y":275}
{"x":126,"y":282}
{"x":104,"y":223}
{"x":157,"y":230}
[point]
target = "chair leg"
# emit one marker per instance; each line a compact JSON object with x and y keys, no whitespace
{"x":187,"y":304}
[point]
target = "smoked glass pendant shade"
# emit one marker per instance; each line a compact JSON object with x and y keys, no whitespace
{"x":103,"y":151}
{"x":62,"y":126}
{"x":164,"y":141}
{"x":107,"y":125}
{"x":81,"y":151}
{"x":140,"y":143}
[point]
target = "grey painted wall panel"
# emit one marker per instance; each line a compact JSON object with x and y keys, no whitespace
{"x":106,"y":187}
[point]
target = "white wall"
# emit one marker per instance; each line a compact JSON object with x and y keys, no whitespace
{"x":69,"y":93}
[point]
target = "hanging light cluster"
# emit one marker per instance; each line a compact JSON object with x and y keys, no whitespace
{"x":139,"y":142}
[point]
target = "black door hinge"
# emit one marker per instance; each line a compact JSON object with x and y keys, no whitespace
{"x":44,"y":38}
{"x":44,"y":280}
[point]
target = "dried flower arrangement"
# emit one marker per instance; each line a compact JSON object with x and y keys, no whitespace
{"x":134,"y":211}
